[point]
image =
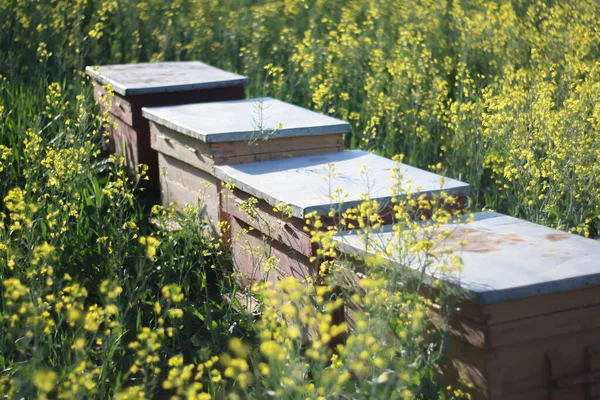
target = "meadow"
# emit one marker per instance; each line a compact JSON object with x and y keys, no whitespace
{"x":97,"y":303}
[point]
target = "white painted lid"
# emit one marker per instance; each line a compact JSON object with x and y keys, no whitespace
{"x":301,"y":181}
{"x":163,"y":77}
{"x":507,"y":258}
{"x":242,"y":120}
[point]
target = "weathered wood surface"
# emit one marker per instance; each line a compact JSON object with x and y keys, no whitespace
{"x":503,"y":346}
{"x":227,"y":152}
{"x":288,"y":231}
{"x":117,"y":105}
{"x":251,"y":250}
{"x":244,"y":120}
{"x":593,"y":365}
{"x":509,"y":259}
{"x":182,"y":184}
{"x":129,"y":108}
{"x":127,"y":112}
{"x":164,"y":77}
{"x":302,"y":183}
{"x":173,"y":144}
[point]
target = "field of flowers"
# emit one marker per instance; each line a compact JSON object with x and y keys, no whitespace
{"x":96,"y":303}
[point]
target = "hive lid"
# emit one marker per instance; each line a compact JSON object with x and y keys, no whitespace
{"x":508,"y":259}
{"x":241,"y":120}
{"x":149,"y":78}
{"x":301,"y":181}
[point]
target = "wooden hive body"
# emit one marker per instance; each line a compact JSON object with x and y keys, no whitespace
{"x":194,"y":139}
{"x":155,"y":84}
{"x":529,"y":325}
{"x":301,"y":184}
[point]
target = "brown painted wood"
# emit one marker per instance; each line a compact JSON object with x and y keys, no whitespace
{"x":509,"y":372}
{"x":556,"y":370}
{"x":251,"y":158}
{"x":262,"y":150}
{"x":550,"y":325}
{"x":205,"y":155}
{"x":593,"y":365}
{"x":123,"y":140}
{"x":540,"y":305}
{"x":524,"y":366}
{"x":129,"y":108}
{"x":466,"y":362}
{"x":117,"y":105}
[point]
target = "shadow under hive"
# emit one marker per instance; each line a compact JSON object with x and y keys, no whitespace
{"x":155,"y":84}
{"x":529,"y":325}
{"x":192,"y":139}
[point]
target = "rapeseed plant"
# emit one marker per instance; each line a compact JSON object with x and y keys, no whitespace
{"x":96,"y":303}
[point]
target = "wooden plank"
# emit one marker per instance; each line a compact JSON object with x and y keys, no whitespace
{"x":464,"y":329}
{"x":120,"y":107}
{"x":133,"y":144}
{"x":539,"y":305}
{"x":189,"y":150}
{"x":251,"y":158}
{"x":192,"y":178}
{"x":288,"y":231}
{"x":129,"y":108}
{"x":468,"y":363}
{"x":551,"y":325}
{"x":225,"y":150}
{"x":593,"y":365}
{"x":510,"y":372}
{"x":251,"y":250}
{"x":556,"y":369}
{"x":180,"y":196}
{"x":124,"y":141}
{"x":524,"y":366}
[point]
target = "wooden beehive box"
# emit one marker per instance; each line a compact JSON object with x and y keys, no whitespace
{"x":156,"y":84}
{"x":530,"y":321}
{"x":301,"y":184}
{"x":192,"y":139}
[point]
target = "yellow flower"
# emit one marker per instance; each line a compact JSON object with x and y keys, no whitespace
{"x":151,"y":244}
{"x":44,"y":380}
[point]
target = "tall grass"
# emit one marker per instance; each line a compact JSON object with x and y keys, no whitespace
{"x":95,"y":302}
{"x":429,"y":79}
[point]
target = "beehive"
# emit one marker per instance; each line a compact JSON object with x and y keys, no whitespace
{"x":156,"y":84}
{"x":192,"y":139}
{"x":530,"y":321}
{"x":301,"y":184}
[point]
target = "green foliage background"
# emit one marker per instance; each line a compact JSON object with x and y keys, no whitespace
{"x":501,"y":94}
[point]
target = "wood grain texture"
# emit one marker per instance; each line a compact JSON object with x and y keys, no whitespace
{"x":117,"y":105}
{"x":242,"y":152}
{"x":129,"y":108}
{"x":546,"y":326}
{"x":288,"y":231}
{"x":206,"y":198}
{"x":540,"y":305}
{"x":251,"y":250}
{"x":593,"y":365}
{"x":184,"y":148}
